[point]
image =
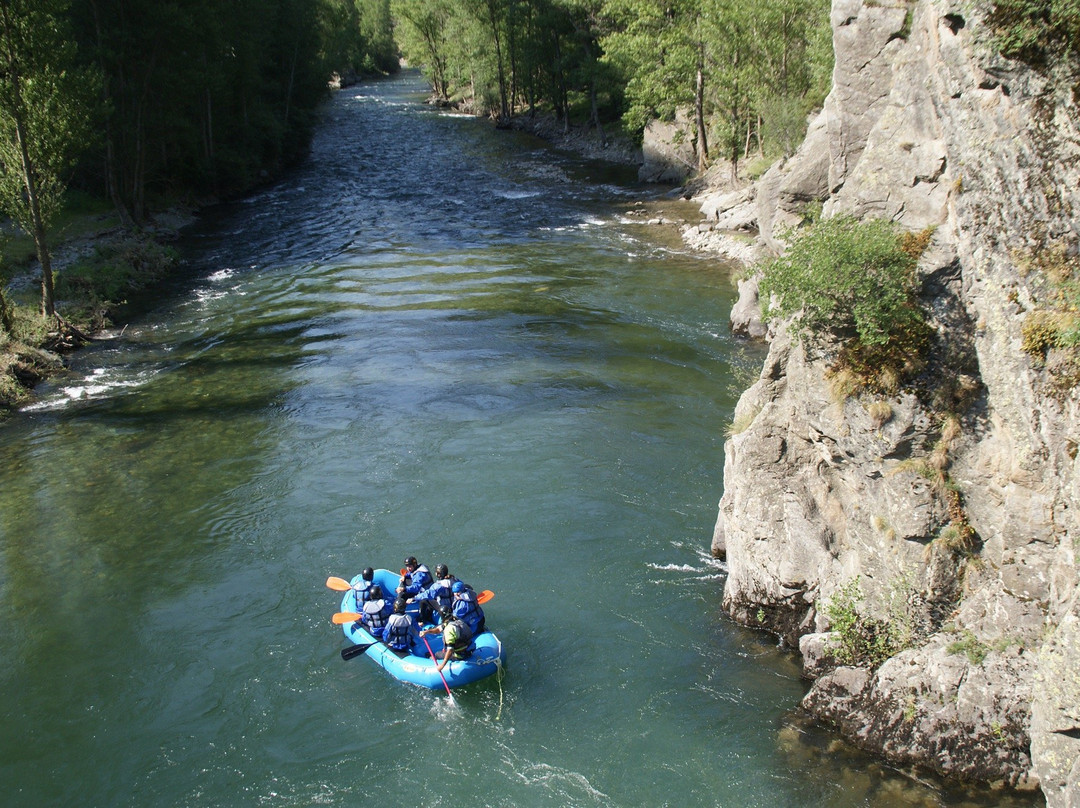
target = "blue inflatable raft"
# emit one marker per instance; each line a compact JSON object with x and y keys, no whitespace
{"x":418,"y":667}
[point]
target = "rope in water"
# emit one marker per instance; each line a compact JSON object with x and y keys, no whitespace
{"x":499,"y":678}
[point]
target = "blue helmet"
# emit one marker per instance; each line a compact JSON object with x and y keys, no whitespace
{"x":458,"y":586}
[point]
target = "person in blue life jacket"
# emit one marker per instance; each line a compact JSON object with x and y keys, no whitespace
{"x":400,"y":632}
{"x":363,"y":587}
{"x":439,"y":596}
{"x":376,"y":612}
{"x":457,"y":640}
{"x":466,"y":608}
{"x":414,"y":578}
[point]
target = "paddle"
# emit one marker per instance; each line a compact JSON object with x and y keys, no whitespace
{"x":433,"y":659}
{"x":355,"y":650}
{"x":485,"y":596}
{"x":341,"y":618}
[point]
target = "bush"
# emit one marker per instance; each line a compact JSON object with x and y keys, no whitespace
{"x":866,"y":641}
{"x":1034,"y":30}
{"x":845,"y":277}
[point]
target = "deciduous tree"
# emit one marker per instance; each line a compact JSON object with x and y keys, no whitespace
{"x":44,"y":120}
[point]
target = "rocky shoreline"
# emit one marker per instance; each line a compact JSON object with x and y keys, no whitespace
{"x":928,"y":126}
{"x":580,"y":139}
{"x":26,"y":363}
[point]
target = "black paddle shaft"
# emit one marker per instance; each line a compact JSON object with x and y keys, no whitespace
{"x":355,"y":650}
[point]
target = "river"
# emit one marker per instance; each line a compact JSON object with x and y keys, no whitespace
{"x":432,"y":339}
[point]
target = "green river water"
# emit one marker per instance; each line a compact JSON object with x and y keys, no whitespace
{"x":432,"y":339}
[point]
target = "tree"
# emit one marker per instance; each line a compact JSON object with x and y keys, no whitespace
{"x":376,"y":35}
{"x":205,"y":98}
{"x":659,"y":46}
{"x":590,"y":73}
{"x":732,"y":61}
{"x":44,"y":120}
{"x":421,"y":34}
{"x":791,"y":74}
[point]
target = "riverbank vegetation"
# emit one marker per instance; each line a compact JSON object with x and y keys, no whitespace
{"x":147,"y":106}
{"x":748,"y":73}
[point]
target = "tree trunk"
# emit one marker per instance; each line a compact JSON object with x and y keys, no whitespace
{"x":504,"y":112}
{"x":699,"y":112}
{"x":48,"y":304}
{"x":735,"y":116}
{"x":596,"y":114}
{"x":29,"y":174}
{"x":112,"y":182}
{"x":5,"y":316}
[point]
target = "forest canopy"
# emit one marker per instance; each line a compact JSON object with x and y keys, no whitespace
{"x":749,"y":73}
{"x":201,"y":99}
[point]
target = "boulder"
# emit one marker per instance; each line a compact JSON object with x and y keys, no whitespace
{"x":667,"y":150}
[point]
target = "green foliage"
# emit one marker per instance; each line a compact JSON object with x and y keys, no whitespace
{"x":44,"y":119}
{"x":1050,"y":333}
{"x":207,"y":99}
{"x":422,"y":35}
{"x":28,"y":327}
{"x":763,"y":67}
{"x":45,"y":105}
{"x":970,"y":646}
{"x":115,"y":271}
{"x":860,"y":640}
{"x":1036,"y":30}
{"x":847,"y":278}
{"x":656,"y":46}
{"x":856,"y":282}
{"x":356,"y":36}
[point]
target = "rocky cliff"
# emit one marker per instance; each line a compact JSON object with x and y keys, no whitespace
{"x":954,"y":505}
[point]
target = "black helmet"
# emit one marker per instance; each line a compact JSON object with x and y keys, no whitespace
{"x":446,"y":614}
{"x":399,"y":606}
{"x":442,"y":571}
{"x":376,"y":592}
{"x":367,"y":574}
{"x":411,"y":562}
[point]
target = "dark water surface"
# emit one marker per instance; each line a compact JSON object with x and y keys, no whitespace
{"x":433,"y":339}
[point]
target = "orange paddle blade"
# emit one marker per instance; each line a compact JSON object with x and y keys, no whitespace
{"x":485,"y":596}
{"x":338,"y":584}
{"x":341,"y":618}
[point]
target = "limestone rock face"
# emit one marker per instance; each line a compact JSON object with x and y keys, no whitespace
{"x":928,"y":126}
{"x":936,"y":710}
{"x":668,"y":151}
{"x":1055,"y":720}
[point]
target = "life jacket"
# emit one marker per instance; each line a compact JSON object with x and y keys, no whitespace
{"x":442,"y":593}
{"x":458,"y":636}
{"x":397,"y":634}
{"x":416,"y":581}
{"x":467,"y":609}
{"x":376,"y":613}
{"x":421,"y":577}
{"x":363,"y":592}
